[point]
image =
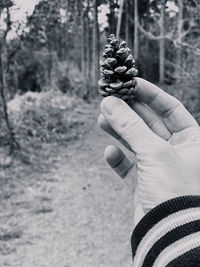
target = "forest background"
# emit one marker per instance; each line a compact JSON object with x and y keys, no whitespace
{"x":60,"y":203}
{"x":58,"y":47}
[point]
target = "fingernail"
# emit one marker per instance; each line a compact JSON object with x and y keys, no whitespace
{"x":114,"y":156}
{"x":109,"y":103}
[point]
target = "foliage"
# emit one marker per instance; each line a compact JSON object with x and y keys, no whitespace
{"x":46,"y":117}
{"x":64,"y":32}
{"x":58,"y":48}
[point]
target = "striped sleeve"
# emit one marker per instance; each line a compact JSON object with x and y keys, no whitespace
{"x":169,"y":235}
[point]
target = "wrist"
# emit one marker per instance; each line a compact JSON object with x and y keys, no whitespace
{"x":166,"y":227}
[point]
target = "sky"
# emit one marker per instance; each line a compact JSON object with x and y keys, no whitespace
{"x":23,"y":6}
{"x":27,"y":6}
{"x":19,"y":11}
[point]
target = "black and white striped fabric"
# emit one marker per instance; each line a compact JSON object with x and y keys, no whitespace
{"x":169,"y":235}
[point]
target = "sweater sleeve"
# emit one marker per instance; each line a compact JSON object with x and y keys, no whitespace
{"x":169,"y":235}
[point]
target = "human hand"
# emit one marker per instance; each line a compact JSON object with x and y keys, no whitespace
{"x":165,"y":139}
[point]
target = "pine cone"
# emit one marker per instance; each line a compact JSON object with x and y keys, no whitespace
{"x":117,"y":71}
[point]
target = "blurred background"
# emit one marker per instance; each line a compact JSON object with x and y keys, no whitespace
{"x":60,"y":203}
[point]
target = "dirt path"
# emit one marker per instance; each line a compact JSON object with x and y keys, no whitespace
{"x":75,"y":214}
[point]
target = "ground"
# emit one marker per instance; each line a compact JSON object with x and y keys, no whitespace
{"x":72,"y":212}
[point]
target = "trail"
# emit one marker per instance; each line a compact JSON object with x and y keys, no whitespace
{"x":76,"y":213}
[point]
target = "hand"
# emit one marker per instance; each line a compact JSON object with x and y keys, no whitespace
{"x":165,"y":139}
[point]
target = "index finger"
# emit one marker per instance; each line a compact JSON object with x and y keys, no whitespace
{"x":172,"y":111}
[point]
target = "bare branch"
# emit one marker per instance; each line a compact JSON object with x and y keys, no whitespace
{"x":152,"y":36}
{"x":193,"y":48}
{"x":178,"y":34}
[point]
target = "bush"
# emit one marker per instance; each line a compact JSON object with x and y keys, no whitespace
{"x":46,"y":117}
{"x":64,"y":84}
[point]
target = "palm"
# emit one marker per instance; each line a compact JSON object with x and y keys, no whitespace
{"x":165,"y":138}
{"x":178,"y":162}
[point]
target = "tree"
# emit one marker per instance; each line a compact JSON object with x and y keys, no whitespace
{"x":164,"y":25}
{"x":162,"y":43}
{"x":136,"y":29}
{"x":5,"y":10}
{"x":119,"y":19}
{"x":156,"y":31}
{"x":83,"y":39}
{"x":111,"y":16}
{"x":88,"y":49}
{"x":127,"y":21}
{"x":95,"y":43}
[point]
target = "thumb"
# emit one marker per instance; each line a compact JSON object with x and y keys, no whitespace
{"x":129,"y":125}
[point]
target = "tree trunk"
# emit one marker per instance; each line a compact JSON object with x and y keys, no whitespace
{"x":136,"y":29}
{"x":179,"y":55}
{"x":67,"y":48}
{"x":88,"y":50}
{"x":112,"y":17}
{"x":13,"y":143}
{"x":119,"y":19}
{"x":95,"y":44}
{"x":49,"y":68}
{"x":67,"y":45}
{"x":3,"y":86}
{"x":83,"y":39}
{"x":127,"y":22}
{"x":162,"y":45}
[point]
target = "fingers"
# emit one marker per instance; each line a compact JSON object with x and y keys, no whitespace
{"x":174,"y":114}
{"x":118,"y":160}
{"x":122,"y":166}
{"x":104,"y":124}
{"x":154,"y":122}
{"x":126,"y":123}
{"x":126,"y":169}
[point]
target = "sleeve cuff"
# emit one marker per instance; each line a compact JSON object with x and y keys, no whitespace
{"x":169,"y":235}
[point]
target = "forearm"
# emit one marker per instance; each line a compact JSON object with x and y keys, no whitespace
{"x":169,"y":235}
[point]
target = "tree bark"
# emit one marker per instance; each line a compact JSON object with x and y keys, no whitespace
{"x":67,"y":47}
{"x":127,"y":22}
{"x":49,"y":68}
{"x":95,"y":44}
{"x":112,"y":17}
{"x":119,"y":19}
{"x":83,"y":39}
{"x":136,"y":29}
{"x":179,"y":56}
{"x":13,"y":143}
{"x":162,"y":44}
{"x":88,"y":49}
